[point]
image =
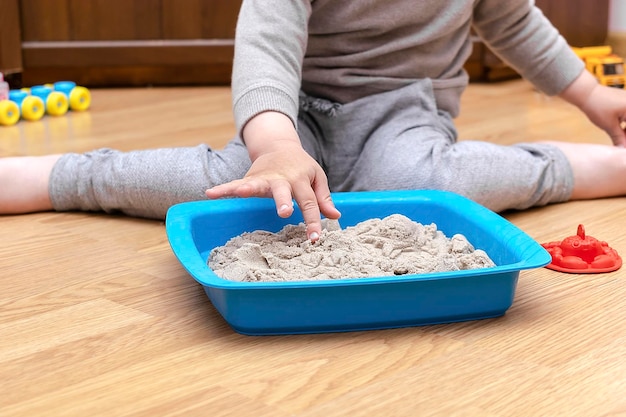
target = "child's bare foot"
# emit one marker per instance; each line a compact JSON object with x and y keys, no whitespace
{"x":24,"y":183}
{"x":599,"y":170}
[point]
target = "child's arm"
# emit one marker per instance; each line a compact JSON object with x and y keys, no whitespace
{"x":283,"y":170}
{"x":270,"y":46}
{"x":604,"y":106}
{"x":522,"y":36}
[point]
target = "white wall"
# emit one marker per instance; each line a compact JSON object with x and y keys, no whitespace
{"x":617,"y":16}
{"x":617,"y":27}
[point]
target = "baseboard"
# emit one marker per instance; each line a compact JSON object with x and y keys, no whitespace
{"x":617,"y":40}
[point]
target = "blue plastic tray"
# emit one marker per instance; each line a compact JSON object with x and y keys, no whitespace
{"x":259,"y":308}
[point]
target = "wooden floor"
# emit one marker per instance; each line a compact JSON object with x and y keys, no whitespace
{"x":97,"y":317}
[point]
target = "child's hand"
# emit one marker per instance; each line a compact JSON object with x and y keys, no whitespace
{"x":283,"y":170}
{"x":604,"y":106}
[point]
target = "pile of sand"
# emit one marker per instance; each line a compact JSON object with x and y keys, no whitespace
{"x":395,"y":245}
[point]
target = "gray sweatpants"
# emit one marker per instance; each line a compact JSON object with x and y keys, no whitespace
{"x":392,"y":140}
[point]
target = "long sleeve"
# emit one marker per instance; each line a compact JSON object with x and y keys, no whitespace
{"x":523,"y":37}
{"x":270,"y":44}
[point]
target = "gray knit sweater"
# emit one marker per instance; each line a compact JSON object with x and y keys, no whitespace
{"x":345,"y":50}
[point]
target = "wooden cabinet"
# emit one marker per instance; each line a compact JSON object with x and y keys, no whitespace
{"x":178,"y":42}
{"x":10,"y":40}
{"x":127,"y":42}
{"x":581,"y":22}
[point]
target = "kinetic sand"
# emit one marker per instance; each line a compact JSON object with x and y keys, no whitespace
{"x":392,"y":246}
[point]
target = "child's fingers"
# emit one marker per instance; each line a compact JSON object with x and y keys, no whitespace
{"x":324,"y":200}
{"x":281,"y":192}
{"x":307,"y":201}
{"x":618,"y":135}
{"x":240,"y":188}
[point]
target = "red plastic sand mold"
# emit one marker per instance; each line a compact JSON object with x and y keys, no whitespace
{"x":582,"y":254}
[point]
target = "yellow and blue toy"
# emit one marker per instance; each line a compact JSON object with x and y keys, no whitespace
{"x":35,"y":102}
{"x":9,"y":111}
{"x":56,"y":103}
{"x":30,"y":107}
{"x":79,"y":97}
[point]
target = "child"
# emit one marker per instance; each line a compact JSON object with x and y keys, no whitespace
{"x":360,"y":95}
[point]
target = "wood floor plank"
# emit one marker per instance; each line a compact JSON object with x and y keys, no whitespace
{"x":46,"y":330}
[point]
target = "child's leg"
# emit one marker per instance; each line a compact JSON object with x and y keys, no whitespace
{"x":405,"y":146}
{"x":498,"y":177}
{"x":140,"y":183}
{"x":400,"y":140}
{"x":24,"y":184}
{"x":599,"y":170}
